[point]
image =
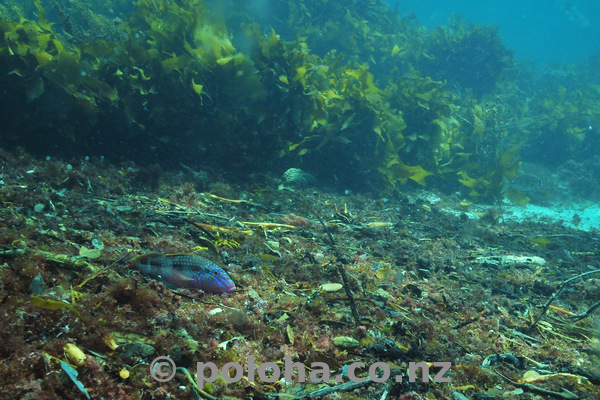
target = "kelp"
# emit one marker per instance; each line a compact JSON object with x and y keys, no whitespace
{"x":351,"y":87}
{"x":469,"y":55}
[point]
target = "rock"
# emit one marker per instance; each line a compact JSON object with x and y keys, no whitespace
{"x":331,"y":287}
{"x":37,"y":286}
{"x":458,"y":396}
{"x":297,"y":177}
{"x":130,"y":350}
{"x":386,"y":349}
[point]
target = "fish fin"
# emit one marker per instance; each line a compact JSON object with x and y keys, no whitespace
{"x":505,"y":184}
{"x":144,"y":256}
{"x":179,"y":279}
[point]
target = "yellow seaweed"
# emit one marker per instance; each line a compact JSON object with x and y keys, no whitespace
{"x":52,"y":304}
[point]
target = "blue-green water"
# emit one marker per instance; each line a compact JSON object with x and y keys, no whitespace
{"x":546,"y":32}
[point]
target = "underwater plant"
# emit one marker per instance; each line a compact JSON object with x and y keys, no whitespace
{"x":353,"y":88}
{"x":471,"y":56}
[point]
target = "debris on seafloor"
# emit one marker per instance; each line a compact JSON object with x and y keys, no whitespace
{"x":367,"y":281}
{"x":73,"y":374}
{"x":510,"y":260}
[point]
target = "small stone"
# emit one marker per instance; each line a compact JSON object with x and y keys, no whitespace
{"x":459,"y":396}
{"x":297,"y":177}
{"x":38,"y":286}
{"x":253,"y":294}
{"x":330,"y":287}
{"x":386,"y":349}
{"x":131,"y":350}
{"x":98,"y":244}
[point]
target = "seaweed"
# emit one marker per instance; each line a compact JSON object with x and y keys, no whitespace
{"x":351,"y":87}
{"x":471,"y":56}
{"x":72,"y":374}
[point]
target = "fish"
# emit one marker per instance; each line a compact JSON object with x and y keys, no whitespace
{"x":185,"y":271}
{"x":522,"y":182}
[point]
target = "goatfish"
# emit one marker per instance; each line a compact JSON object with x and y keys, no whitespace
{"x":185,"y":271}
{"x":522,"y":182}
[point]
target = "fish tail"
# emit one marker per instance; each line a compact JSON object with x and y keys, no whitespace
{"x":505,"y":184}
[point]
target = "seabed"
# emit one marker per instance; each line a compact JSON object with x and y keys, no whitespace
{"x":321,"y":276}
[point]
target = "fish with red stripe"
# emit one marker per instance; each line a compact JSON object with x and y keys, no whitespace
{"x":185,"y":271}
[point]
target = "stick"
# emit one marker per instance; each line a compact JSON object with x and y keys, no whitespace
{"x":555,"y":296}
{"x":565,"y":394}
{"x":103,"y":270}
{"x":336,"y":388}
{"x":587,"y":312}
{"x":340,"y":267}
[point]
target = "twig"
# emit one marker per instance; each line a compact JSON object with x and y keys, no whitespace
{"x":470,"y":321}
{"x":342,"y":271}
{"x":233,"y":201}
{"x":520,"y":335}
{"x":269,"y":225}
{"x":587,"y":312}
{"x":337,"y":388}
{"x":565,"y":394}
{"x":345,"y":299}
{"x":555,"y":296}
{"x":339,"y":267}
{"x":97,"y":274}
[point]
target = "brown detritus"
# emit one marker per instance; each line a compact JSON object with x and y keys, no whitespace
{"x":297,"y":221}
{"x":465,"y":374}
{"x":411,"y":284}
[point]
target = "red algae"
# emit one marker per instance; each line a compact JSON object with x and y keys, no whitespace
{"x":412,"y":282}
